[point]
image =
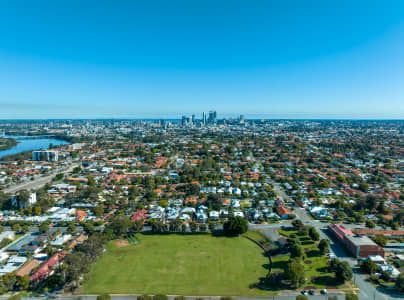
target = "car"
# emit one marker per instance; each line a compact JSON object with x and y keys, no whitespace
{"x":324,"y":291}
{"x":304,"y":293}
{"x":311,"y":292}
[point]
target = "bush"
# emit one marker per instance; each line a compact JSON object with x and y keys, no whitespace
{"x":160,"y":297}
{"x":302,"y":297}
{"x":144,"y":297}
{"x":400,"y":283}
{"x":104,"y":297}
{"x":351,"y":296}
{"x":370,"y":224}
{"x":226,"y":298}
{"x":179,"y":298}
{"x":368,"y":266}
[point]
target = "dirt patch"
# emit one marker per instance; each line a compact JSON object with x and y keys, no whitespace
{"x":121,"y":243}
{"x":308,"y":262}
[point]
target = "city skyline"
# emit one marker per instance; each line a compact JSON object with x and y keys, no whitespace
{"x":271,"y":60}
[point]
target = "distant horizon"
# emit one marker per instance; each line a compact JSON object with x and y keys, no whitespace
{"x":219,"y":118}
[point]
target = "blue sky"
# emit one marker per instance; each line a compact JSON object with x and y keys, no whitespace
{"x":131,"y":59}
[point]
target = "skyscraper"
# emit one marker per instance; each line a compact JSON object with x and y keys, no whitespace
{"x":212,"y":117}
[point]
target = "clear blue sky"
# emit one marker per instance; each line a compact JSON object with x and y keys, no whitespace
{"x":152,"y":58}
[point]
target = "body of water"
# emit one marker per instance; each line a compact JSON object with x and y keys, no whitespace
{"x":30,"y":144}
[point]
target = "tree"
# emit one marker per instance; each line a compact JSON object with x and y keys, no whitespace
{"x":23,"y":282}
{"x":302,"y":297}
{"x":43,"y":228}
{"x":294,"y":271}
{"x":351,"y":296}
{"x":202,"y":227}
{"x":179,"y":298}
{"x":370,"y":224}
{"x":16,"y":227}
{"x":37,"y":210}
{"x":120,"y":225}
{"x":380,"y":239}
{"x":59,"y":177}
{"x":341,"y":269}
{"x":193,"y":226}
{"x":235,"y":226}
{"x":144,"y":297}
{"x":296,"y":251}
{"x":324,"y":246}
{"x":71,"y":227}
{"x":369,"y":266}
{"x":226,"y":298}
{"x":212,"y":226}
{"x":400,"y":282}
{"x":313,"y":233}
{"x":25,"y":229}
{"x":78,"y":264}
{"x":304,"y":230}
{"x":89,"y":227}
{"x":23,"y":196}
{"x":104,"y":297}
{"x":297,"y":223}
{"x":98,"y":211}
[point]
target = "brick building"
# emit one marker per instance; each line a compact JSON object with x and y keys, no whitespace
{"x":357,"y":245}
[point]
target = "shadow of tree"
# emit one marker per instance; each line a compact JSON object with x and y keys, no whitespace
{"x":313,"y":253}
{"x":324,"y":269}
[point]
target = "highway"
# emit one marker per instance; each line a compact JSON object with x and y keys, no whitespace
{"x":38,"y":182}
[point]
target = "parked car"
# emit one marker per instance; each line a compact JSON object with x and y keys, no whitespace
{"x":311,"y":292}
{"x":304,"y":293}
{"x":324,"y":291}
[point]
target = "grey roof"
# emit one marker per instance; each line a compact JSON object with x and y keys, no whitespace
{"x":360,"y":240}
{"x":21,"y":243}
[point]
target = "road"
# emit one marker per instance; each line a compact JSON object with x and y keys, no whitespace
{"x":367,"y":290}
{"x":39,"y":182}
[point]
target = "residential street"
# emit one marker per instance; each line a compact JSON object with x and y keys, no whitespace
{"x":367,"y":290}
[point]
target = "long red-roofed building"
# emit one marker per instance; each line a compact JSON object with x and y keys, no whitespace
{"x":357,"y":245}
{"x":47,"y":268}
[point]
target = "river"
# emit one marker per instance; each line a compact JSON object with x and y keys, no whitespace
{"x":30,"y":144}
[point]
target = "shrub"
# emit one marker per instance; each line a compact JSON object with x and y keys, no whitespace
{"x":144,"y":297}
{"x":160,"y":297}
{"x":351,"y":296}
{"x":104,"y":297}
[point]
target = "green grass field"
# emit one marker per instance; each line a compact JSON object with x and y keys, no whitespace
{"x":199,"y":265}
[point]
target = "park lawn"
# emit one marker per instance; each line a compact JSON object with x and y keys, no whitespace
{"x":317,"y":273}
{"x":199,"y":265}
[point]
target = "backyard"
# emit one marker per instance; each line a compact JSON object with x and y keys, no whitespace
{"x":199,"y":265}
